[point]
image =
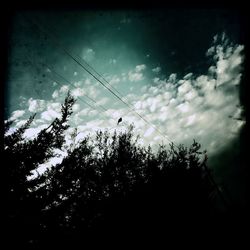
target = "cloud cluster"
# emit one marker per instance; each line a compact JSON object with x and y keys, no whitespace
{"x":198,"y":106}
{"x":156,"y":70}
{"x":185,"y":108}
{"x":36,"y":105}
{"x":88,"y":54}
{"x":17,"y":114}
{"x":137,"y":74}
{"x":228,"y":59}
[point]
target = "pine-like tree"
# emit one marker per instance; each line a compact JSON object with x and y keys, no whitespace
{"x":21,"y":158}
{"x":107,"y":186}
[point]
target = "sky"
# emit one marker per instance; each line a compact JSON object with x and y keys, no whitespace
{"x":178,"y":69}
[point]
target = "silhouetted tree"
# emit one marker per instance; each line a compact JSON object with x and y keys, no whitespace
{"x":22,"y":157}
{"x":107,"y":186}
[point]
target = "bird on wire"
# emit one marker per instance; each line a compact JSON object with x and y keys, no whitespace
{"x":120,"y":120}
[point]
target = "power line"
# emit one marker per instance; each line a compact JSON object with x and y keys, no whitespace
{"x":103,"y":84}
{"x":37,"y":67}
{"x":62,"y":77}
{"x":120,"y":98}
{"x":65,"y":51}
{"x":33,"y":63}
{"x":132,"y":109}
{"x":99,"y":75}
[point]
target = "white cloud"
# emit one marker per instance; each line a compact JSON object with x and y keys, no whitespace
{"x":228,"y":59}
{"x":78,"y":84}
{"x":77,"y":92}
{"x":136,"y":74}
{"x":191,"y":95}
{"x":114,"y":80}
{"x":124,"y":77}
{"x":114,"y":113}
{"x":80,"y":136}
{"x":138,"y":105}
{"x":55,"y":94}
{"x":191,"y":120}
{"x":76,"y":107}
{"x":36,"y":105}
{"x":84,"y":112}
{"x":156,"y":80}
{"x":64,"y":89}
{"x":17,"y":114}
{"x":156,"y":70}
{"x":20,"y":123}
{"x":205,"y":83}
{"x":56,"y":106}
{"x":188,"y":76}
{"x":88,"y":54}
{"x":172,"y":78}
{"x":140,"y":68}
{"x":49,"y":115}
{"x":184,"y":87}
{"x":135,"y":77}
{"x":33,"y":132}
{"x":87,"y":81}
{"x":149,"y":132}
{"x":229,"y":66}
{"x":184,"y":108}
{"x":92,"y":90}
{"x":196,"y":109}
{"x":76,"y":119}
{"x":112,"y":61}
{"x":51,"y":162}
{"x":103,"y":101}
{"x":93,"y":113}
{"x":93,"y":125}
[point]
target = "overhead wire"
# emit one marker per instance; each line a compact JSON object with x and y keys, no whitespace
{"x":70,"y":83}
{"x":35,"y":64}
{"x":101,"y":82}
{"x":113,"y":90}
{"x":45,"y":65}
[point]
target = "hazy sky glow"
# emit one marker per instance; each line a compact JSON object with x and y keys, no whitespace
{"x":180,"y":75}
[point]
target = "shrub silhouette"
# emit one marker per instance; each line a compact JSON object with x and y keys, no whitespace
{"x":109,"y":187}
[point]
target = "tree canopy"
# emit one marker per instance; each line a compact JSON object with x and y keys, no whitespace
{"x":109,"y":187}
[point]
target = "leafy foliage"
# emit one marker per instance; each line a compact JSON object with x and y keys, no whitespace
{"x":101,"y":187}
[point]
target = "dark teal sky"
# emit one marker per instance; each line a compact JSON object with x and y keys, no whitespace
{"x":181,"y":69}
{"x":174,"y":39}
{"x":138,"y":53}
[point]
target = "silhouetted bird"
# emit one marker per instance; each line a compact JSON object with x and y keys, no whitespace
{"x":120,"y":120}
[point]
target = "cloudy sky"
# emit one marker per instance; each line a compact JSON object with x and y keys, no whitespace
{"x":179,"y":70}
